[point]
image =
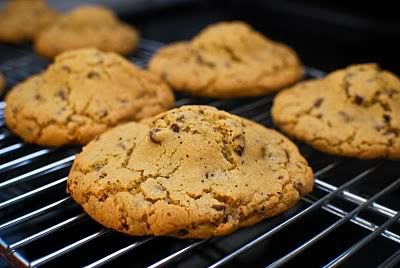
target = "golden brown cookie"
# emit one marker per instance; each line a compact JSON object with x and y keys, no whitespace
{"x":81,"y":95}
{"x":228,"y":59}
{"x":87,"y":26}
{"x":352,"y":112}
{"x":23,"y":20}
{"x":191,"y":172}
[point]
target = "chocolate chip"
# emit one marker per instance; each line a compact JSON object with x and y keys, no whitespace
{"x":153,"y":135}
{"x":219,"y":207}
{"x":61,"y":93}
{"x":92,"y":74}
{"x":394,"y":132}
{"x":164,"y":76}
{"x":175,"y":128}
{"x":226,"y":153}
{"x":392,"y":92}
{"x":183,"y":232}
{"x":180,"y":118}
{"x":346,"y":117}
{"x":38,"y":97}
{"x":358,"y":99}
{"x":378,"y":127}
{"x":200,"y":60}
{"x":66,"y":68}
{"x":387,"y":118}
{"x":103,"y":175}
{"x":319,"y":116}
{"x":239,"y":144}
{"x":318,"y":102}
{"x":280,"y":177}
{"x":121,"y":145}
{"x":122,"y":100}
{"x":102,"y":113}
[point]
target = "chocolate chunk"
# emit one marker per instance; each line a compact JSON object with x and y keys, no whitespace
{"x":200,"y":60}
{"x":92,"y":74}
{"x":346,"y":117}
{"x":219,"y":207}
{"x":392,"y":92}
{"x":239,"y":144}
{"x":122,"y":100}
{"x":153,"y":135}
{"x":387,"y":118}
{"x":175,"y":128}
{"x":121,"y":145}
{"x":378,"y":127}
{"x":38,"y":97}
{"x":180,"y":118}
{"x":102,"y":113}
{"x":183,"y":232}
{"x":318,"y":102}
{"x":61,"y":93}
{"x":358,"y":99}
{"x":66,"y":68}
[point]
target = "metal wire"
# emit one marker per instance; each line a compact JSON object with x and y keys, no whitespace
{"x":392,"y":261}
{"x":293,"y":219}
{"x":356,"y":247}
{"x":17,"y":71}
{"x":334,"y":226}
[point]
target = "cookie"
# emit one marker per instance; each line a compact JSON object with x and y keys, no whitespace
{"x":191,"y":172}
{"x":81,"y":95}
{"x":23,"y":20}
{"x":87,"y":26}
{"x":228,"y":59}
{"x":353,"y":112}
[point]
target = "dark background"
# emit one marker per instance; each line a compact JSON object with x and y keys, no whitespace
{"x":326,"y":34}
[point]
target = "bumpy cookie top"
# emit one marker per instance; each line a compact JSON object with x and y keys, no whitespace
{"x":22,"y":20}
{"x":82,"y":94}
{"x":194,"y":171}
{"x":227,"y":59}
{"x":352,"y":112}
{"x":87,"y":26}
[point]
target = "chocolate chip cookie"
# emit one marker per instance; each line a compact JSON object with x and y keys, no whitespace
{"x":23,"y":20}
{"x":352,"y":112}
{"x":228,"y":59}
{"x":191,"y":172}
{"x":87,"y":26}
{"x":81,"y":95}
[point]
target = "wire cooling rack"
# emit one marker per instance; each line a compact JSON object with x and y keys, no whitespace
{"x":351,"y":218}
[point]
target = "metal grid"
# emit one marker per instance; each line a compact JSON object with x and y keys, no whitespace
{"x":40,"y":225}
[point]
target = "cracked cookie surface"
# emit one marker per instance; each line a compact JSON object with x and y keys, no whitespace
{"x":228,"y":59}
{"x":87,"y":26}
{"x":351,"y":112}
{"x":23,"y":20}
{"x":83,"y":93}
{"x":191,"y":172}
